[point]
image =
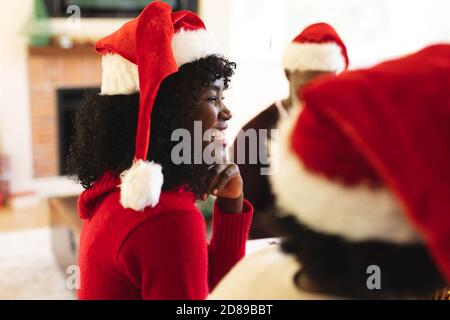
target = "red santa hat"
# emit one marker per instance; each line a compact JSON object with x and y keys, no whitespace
{"x":137,"y":58}
{"x":370,"y":155}
{"x":317,"y":48}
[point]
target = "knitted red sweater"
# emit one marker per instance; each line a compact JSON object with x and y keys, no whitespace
{"x":161,"y":253}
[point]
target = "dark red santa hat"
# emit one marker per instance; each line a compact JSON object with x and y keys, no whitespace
{"x":370,"y":153}
{"x":317,"y":48}
{"x":137,"y":58}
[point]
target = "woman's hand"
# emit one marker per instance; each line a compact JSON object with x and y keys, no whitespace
{"x":225,"y":182}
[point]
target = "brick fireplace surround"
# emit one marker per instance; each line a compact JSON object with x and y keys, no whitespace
{"x":52,"y":68}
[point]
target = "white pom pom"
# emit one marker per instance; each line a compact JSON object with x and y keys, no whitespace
{"x":141,"y":185}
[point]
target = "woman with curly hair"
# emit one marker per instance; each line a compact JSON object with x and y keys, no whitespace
{"x":142,"y":236}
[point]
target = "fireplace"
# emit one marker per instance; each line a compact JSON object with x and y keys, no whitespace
{"x":68,"y":101}
{"x":58,"y":81}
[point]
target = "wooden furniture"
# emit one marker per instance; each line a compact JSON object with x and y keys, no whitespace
{"x":66,"y":228}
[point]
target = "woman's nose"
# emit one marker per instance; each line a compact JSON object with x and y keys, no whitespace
{"x":225,"y":114}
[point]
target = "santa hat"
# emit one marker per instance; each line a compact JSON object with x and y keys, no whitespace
{"x":370,"y":155}
{"x":317,"y":48}
{"x":138,"y":57}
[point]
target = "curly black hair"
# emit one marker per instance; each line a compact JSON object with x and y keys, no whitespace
{"x":337,"y":266}
{"x":105,"y":126}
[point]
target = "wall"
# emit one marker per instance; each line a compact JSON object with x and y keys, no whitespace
{"x":257,"y":82}
{"x":15,"y":136}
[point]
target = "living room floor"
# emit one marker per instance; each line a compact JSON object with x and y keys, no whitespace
{"x":27,"y":255}
{"x":34,"y":217}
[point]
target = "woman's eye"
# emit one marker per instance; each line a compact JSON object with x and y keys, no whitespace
{"x":213,"y":99}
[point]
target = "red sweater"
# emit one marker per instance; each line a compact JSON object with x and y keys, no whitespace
{"x":161,"y":253}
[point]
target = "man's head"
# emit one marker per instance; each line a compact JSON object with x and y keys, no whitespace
{"x":316,"y":51}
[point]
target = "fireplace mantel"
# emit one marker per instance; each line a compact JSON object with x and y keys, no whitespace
{"x":59,"y":51}
{"x":50,"y":69}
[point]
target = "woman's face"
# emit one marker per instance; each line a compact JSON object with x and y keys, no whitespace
{"x":213,"y":115}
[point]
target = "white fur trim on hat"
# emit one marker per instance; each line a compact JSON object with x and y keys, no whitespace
{"x":189,"y":46}
{"x":357,"y":213}
{"x":119,"y":76}
{"x":313,"y":57}
{"x":141,"y":185}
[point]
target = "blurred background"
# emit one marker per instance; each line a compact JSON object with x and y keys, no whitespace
{"x":47,"y":63}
